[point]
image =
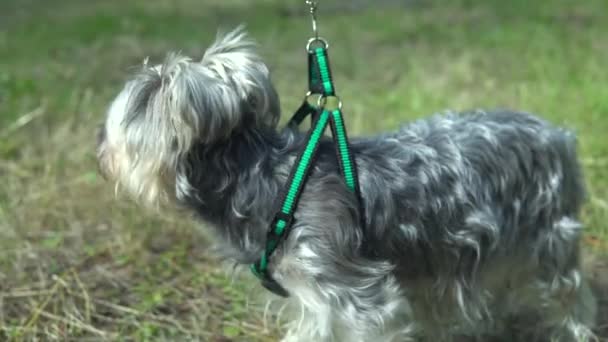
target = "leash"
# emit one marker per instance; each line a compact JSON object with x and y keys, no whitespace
{"x":320,"y":83}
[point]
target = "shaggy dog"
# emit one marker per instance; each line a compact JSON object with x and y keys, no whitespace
{"x":470,"y":228}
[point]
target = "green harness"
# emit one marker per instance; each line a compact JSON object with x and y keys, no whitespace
{"x":320,"y":83}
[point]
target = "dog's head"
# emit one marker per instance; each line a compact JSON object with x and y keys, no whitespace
{"x":166,"y":110}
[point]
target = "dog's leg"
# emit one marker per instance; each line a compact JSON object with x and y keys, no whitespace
{"x":568,"y":307}
{"x":352,"y":319}
{"x":564,"y":312}
{"x":557,"y":306}
{"x":570,"y":312}
{"x":354,"y":300}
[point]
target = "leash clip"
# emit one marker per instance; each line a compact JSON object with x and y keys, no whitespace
{"x":313,"y":14}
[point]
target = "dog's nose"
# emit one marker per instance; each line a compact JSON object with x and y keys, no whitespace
{"x":101,"y":135}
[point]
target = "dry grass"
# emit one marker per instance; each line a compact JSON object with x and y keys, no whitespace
{"x":76,"y":264}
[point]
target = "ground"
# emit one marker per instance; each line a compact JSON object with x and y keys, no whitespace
{"x":78,"y":264}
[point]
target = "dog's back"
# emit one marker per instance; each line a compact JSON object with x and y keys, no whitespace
{"x":501,"y":176}
{"x":480,"y":203}
{"x":480,"y":180}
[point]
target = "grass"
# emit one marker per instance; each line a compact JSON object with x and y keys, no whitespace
{"x":76,"y":264}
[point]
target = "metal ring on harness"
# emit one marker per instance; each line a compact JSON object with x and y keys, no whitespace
{"x":309,"y":94}
{"x":311,"y":41}
{"x":322,"y":102}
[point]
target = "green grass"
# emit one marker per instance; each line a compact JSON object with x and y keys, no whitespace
{"x":75,"y":262}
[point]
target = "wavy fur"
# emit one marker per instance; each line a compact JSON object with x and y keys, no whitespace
{"x":472,"y":225}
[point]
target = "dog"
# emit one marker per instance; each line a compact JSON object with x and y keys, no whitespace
{"x":470,"y":231}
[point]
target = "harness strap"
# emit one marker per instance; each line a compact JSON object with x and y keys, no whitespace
{"x":284,"y":218}
{"x":301,"y":114}
{"x":320,"y":82}
{"x":347,"y":167}
{"x":319,"y":76}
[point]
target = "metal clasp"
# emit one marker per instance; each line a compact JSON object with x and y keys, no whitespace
{"x":313,"y":14}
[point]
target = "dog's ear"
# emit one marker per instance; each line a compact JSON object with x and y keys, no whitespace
{"x":233,"y":60}
{"x":169,"y":108}
{"x":228,"y":89}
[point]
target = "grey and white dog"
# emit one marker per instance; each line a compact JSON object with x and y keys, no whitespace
{"x":471,"y":227}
